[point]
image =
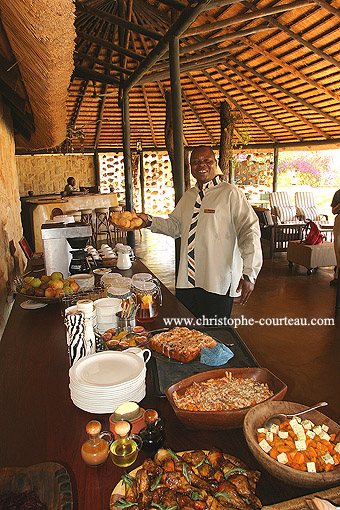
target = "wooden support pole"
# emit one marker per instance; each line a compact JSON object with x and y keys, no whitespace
{"x":141,"y":178}
{"x":127,"y":162}
{"x":177,"y":116}
{"x":96,"y":168}
{"x":276,"y":168}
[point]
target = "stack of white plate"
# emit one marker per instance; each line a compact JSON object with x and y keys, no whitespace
{"x":101,"y":382}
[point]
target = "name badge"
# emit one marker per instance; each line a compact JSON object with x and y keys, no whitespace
{"x":211,"y":211}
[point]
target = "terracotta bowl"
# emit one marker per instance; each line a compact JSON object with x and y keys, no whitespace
{"x":255,"y":419}
{"x":219,"y":420}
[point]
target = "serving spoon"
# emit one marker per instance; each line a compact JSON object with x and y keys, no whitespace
{"x":277,"y":419}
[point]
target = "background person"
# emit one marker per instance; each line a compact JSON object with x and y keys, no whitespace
{"x":71,"y":189}
{"x":336,"y":229}
{"x":221,"y":252}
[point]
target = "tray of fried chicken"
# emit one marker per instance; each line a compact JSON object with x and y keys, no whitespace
{"x":196,"y":479}
{"x":125,"y":220}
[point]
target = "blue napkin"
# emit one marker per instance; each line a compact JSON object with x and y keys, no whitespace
{"x":218,"y":355}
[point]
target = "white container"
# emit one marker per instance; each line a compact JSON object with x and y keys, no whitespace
{"x":106,"y":309}
{"x":110,"y":279}
{"x":86,"y":306}
{"x":124,"y":260}
{"x":84,"y":280}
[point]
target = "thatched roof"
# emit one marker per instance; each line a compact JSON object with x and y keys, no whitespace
{"x":275,"y":62}
{"x":41,"y":35}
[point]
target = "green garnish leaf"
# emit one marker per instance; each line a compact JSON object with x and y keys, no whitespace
{"x":163,"y":507}
{"x":224,"y":495}
{"x":246,"y":500}
{"x":234,"y":470}
{"x":158,"y":479}
{"x":203,"y":461}
{"x":173,"y":455}
{"x":122,"y":503}
{"x":185,"y":472}
{"x":194,"y":496}
{"x":127,"y":479}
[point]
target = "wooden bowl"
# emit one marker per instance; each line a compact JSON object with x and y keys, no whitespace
{"x":219,"y":420}
{"x":255,"y":419}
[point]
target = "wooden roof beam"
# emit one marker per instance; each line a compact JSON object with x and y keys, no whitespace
{"x":238,"y":107}
{"x":295,"y":72}
{"x":254,"y":101}
{"x":149,"y":115}
{"x":88,"y":74}
{"x":297,"y":37}
{"x":201,"y":121}
{"x":222,"y":53}
{"x":193,"y":66}
{"x":222,"y":38}
{"x":102,"y":63}
{"x":209,"y":27}
{"x":270,"y":96}
{"x":188,"y":16}
{"x":286,"y":92}
{"x":328,"y":7}
{"x":111,"y":46}
{"x":116,"y":20}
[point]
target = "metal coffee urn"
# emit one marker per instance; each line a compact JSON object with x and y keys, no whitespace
{"x":57,"y":250}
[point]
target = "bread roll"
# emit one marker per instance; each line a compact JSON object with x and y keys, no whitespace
{"x":123,"y":222}
{"x":136,"y":222}
{"x":127,"y":215}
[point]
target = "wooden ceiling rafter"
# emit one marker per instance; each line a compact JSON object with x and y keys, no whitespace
{"x":111,"y":46}
{"x":297,"y":37}
{"x":223,"y":38}
{"x":102,"y":63}
{"x":286,"y":92}
{"x":103,"y":101}
{"x":198,"y":117}
{"x":257,"y":103}
{"x":268,"y":11}
{"x":103,"y":28}
{"x":293,"y":70}
{"x":274,"y":99}
{"x":117,"y":20}
{"x":238,"y":107}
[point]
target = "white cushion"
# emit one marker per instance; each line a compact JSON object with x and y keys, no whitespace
{"x":286,"y":213}
{"x":309,"y":213}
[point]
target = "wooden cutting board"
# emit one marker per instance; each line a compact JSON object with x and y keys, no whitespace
{"x":50,"y":481}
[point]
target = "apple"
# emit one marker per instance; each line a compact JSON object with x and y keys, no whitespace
{"x":30,"y":291}
{"x":56,"y":276}
{"x":36,"y":282}
{"x":39,"y":292}
{"x":28,"y":279}
{"x":57,"y":284}
{"x":45,"y":278}
{"x":50,"y":293}
{"x":74,"y":286}
{"x":44,"y":286}
{"x":23,"y":290}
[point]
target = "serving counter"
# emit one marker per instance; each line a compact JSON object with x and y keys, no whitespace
{"x":40,"y":423}
{"x":37,"y":211}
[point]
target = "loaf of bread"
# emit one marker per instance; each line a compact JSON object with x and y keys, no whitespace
{"x":182,"y":344}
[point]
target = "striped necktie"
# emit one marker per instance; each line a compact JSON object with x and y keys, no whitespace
{"x":193,"y":226}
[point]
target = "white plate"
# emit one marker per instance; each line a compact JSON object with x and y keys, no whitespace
{"x":103,"y":270}
{"x":32,"y":305}
{"x":107,"y":368}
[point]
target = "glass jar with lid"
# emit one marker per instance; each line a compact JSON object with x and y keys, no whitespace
{"x":147,"y":293}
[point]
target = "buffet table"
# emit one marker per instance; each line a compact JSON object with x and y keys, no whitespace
{"x":40,"y":423}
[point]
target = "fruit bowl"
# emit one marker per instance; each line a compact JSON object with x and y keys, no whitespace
{"x":46,"y":289}
{"x":120,"y":341}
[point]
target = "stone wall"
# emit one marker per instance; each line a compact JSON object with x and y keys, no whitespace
{"x":44,"y":174}
{"x":12,"y":259}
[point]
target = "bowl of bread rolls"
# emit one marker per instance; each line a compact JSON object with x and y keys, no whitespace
{"x":126,"y":220}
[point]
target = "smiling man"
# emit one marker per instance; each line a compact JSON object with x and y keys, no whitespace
{"x":221,"y":252}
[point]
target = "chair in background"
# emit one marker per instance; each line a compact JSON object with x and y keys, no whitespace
{"x":278,"y":236}
{"x":282,"y":209}
{"x":306,"y":208}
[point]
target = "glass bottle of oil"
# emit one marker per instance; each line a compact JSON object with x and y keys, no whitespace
{"x":125,"y":449}
{"x":153,"y":434}
{"x":95,"y":450}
